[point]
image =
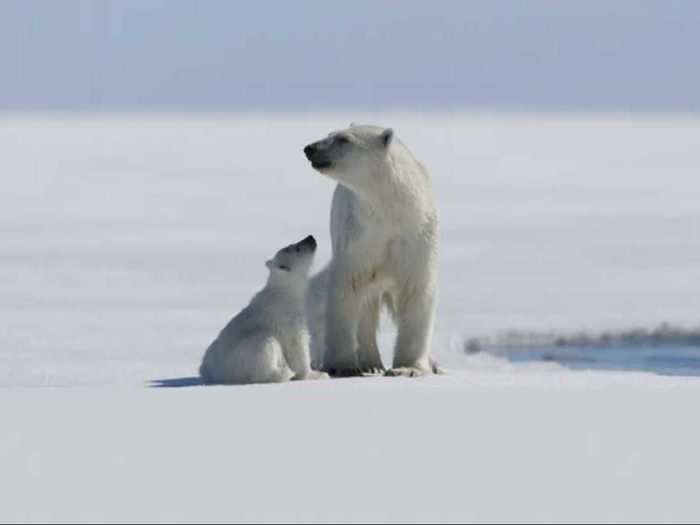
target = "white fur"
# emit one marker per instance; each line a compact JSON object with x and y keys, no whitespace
{"x":316,"y":317}
{"x":385,"y":252}
{"x":267,"y":342}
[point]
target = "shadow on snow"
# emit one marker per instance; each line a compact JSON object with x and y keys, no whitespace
{"x":176,"y":382}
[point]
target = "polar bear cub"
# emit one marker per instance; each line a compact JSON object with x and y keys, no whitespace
{"x":267,"y":342}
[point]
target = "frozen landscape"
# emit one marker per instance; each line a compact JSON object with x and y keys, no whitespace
{"x":129,"y":241}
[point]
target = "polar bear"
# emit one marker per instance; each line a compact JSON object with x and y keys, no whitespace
{"x":384,"y":231}
{"x":268,"y":342}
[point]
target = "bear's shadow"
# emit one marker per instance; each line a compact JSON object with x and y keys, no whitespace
{"x":176,"y":382}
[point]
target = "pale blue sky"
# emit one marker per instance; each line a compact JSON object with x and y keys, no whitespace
{"x":107,"y":54}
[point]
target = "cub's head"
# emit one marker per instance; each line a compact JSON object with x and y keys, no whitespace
{"x":357,"y":156}
{"x":294,"y":260}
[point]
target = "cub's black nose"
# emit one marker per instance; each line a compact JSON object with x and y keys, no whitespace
{"x":309,"y":241}
{"x":308,"y":151}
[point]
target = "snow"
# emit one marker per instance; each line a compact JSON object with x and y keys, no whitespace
{"x":465,"y":447}
{"x":129,"y":241}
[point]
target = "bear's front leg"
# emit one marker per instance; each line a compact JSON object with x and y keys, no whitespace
{"x":415,"y":332}
{"x":367,"y":350}
{"x":340,"y":358}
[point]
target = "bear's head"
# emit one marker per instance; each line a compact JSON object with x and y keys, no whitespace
{"x":293,"y":261}
{"x":356,"y":157}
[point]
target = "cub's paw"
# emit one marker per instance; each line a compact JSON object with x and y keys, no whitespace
{"x":310,"y":375}
{"x":406,"y":371}
{"x":437,"y":369}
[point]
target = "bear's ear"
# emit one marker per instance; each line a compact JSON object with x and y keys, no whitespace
{"x":386,"y":137}
{"x":269,"y":264}
{"x":352,"y":124}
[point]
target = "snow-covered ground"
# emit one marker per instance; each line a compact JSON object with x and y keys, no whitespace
{"x":471,"y":446}
{"x":127,"y":243}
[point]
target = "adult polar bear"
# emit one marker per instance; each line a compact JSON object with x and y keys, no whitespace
{"x":384,"y":232}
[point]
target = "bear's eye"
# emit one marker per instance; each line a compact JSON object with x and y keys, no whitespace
{"x":340,"y":139}
{"x":284,"y":267}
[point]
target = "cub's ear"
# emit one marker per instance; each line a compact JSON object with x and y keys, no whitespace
{"x":387,"y":136}
{"x":269,"y":264}
{"x":352,"y":124}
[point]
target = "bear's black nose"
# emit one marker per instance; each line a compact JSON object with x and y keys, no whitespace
{"x":308,"y":151}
